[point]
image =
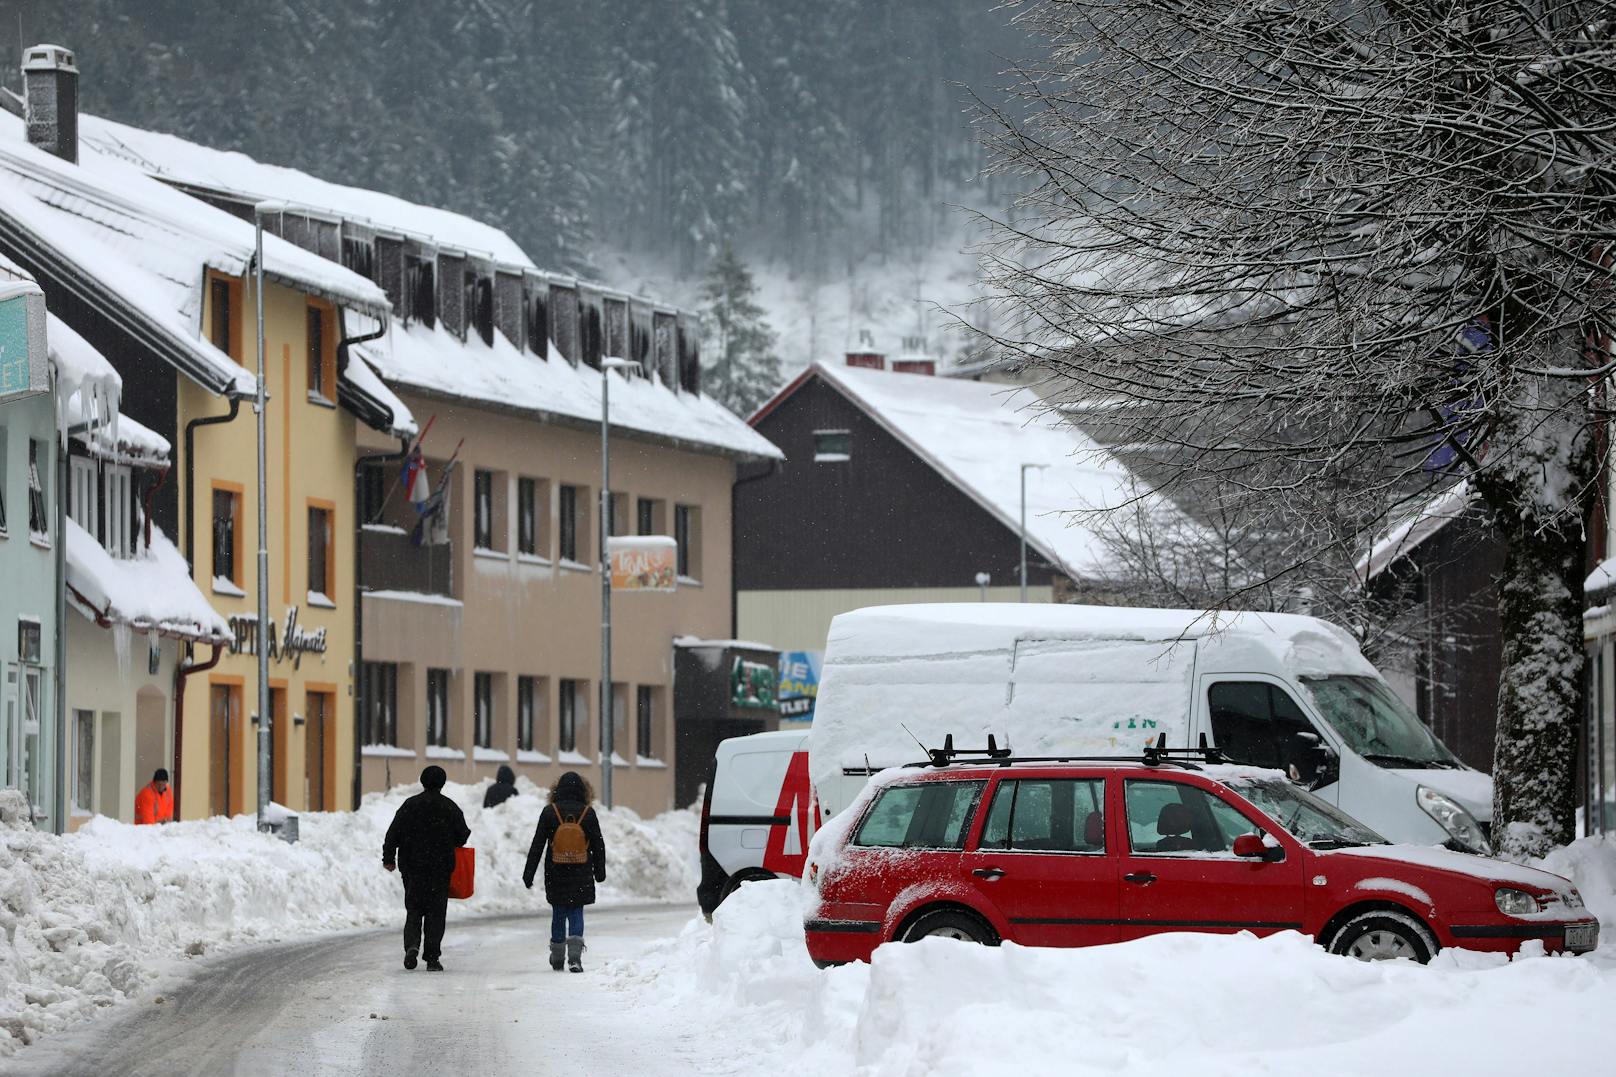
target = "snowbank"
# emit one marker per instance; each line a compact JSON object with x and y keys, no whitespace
{"x":1169,"y":1004}
{"x":89,"y":919}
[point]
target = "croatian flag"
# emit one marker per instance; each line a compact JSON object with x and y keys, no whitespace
{"x":416,"y":487}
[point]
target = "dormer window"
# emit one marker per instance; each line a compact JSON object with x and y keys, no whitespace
{"x":421,"y":282}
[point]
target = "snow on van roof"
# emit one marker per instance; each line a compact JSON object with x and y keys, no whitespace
{"x":978,"y":434}
{"x":181,"y":161}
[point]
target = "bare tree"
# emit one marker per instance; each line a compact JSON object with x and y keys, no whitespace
{"x":1364,"y":244}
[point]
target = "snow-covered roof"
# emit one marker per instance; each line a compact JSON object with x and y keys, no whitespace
{"x":1404,"y":537}
{"x":151,"y":591}
{"x":180,"y":161}
{"x":362,"y":376}
{"x":978,"y":434}
{"x":435,"y":360}
{"x":107,"y":223}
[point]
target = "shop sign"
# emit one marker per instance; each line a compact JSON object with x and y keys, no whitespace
{"x":293,"y":643}
{"x":23,"y":370}
{"x":752,"y":684}
{"x":643,"y":562}
{"x":799,"y":683}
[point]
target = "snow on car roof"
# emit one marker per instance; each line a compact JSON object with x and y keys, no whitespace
{"x":978,"y":434}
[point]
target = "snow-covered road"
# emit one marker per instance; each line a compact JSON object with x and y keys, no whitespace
{"x":344,"y":1004}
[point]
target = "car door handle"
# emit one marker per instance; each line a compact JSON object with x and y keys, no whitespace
{"x":1142,"y":878}
{"x":989,"y":873}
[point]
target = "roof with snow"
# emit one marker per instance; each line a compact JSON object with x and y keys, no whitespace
{"x":1409,"y":533}
{"x":136,"y":248}
{"x":149,"y":592}
{"x":430,"y":358}
{"x":978,"y":434}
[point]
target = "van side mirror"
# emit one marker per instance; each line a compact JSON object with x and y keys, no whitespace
{"x":1313,"y":763}
{"x":1252,"y":847}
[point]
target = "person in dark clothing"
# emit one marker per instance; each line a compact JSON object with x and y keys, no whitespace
{"x":427,"y":830}
{"x":573,"y":863}
{"x":503,"y":789}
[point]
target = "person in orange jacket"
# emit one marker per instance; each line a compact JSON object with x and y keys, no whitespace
{"x":154,"y":803}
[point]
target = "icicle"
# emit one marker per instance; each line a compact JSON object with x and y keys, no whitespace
{"x":121,"y":638}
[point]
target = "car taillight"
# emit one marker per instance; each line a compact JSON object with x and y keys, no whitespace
{"x":706,"y":812}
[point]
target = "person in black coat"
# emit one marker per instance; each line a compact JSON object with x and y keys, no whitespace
{"x":567,"y":887}
{"x":503,"y":789}
{"x":427,"y":830}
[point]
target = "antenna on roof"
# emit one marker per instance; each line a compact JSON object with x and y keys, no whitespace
{"x":914,"y":738}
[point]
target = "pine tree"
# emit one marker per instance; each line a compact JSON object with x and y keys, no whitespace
{"x":743,"y":371}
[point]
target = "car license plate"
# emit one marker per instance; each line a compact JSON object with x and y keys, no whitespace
{"x":1581,"y":937}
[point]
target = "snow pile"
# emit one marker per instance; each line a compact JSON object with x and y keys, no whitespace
{"x":89,"y":919}
{"x":1167,"y":1004}
{"x":1591,"y":864}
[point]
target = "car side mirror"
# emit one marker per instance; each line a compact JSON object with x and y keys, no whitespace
{"x":1252,"y":847}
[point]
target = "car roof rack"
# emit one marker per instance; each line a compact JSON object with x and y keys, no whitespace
{"x":1154,"y":755}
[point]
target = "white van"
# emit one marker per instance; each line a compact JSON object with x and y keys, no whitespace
{"x":758,"y":814}
{"x":1272,"y":690}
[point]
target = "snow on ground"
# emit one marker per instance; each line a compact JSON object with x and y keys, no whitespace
{"x":89,"y":919}
{"x":1175,"y":1003}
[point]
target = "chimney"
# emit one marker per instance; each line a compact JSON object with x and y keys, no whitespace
{"x":914,"y":359}
{"x":871,"y":360}
{"x":50,"y":78}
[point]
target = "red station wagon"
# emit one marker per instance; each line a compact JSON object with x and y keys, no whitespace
{"x":1074,"y":853}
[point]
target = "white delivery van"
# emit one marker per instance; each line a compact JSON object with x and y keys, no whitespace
{"x":1271,"y":690}
{"x":758,"y":814}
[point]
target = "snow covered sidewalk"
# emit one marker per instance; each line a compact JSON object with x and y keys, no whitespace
{"x":87,"y":920}
{"x":1168,"y":1004}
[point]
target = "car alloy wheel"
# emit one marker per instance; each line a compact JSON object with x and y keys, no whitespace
{"x":1384,"y":935}
{"x":949,"y":924}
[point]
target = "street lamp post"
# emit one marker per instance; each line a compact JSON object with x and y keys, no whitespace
{"x":608,"y":720}
{"x":982,"y":581}
{"x":262,"y":634}
{"x":1024,"y":468}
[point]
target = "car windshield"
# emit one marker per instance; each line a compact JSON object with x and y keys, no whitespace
{"x":1376,"y":724}
{"x":1304,"y":816}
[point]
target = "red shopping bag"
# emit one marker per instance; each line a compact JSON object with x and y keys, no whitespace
{"x":462,"y":882}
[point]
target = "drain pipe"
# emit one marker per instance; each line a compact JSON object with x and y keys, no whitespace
{"x":190,"y":475}
{"x":358,"y":673}
{"x":182,"y":670}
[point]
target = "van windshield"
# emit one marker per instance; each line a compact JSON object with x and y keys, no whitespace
{"x":1376,"y":724}
{"x":1312,"y":821}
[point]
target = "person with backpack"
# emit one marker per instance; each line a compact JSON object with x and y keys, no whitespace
{"x":574,"y":862}
{"x":422,"y":840}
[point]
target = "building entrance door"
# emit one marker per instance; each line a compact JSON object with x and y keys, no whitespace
{"x":225,"y":750}
{"x":314,"y":751}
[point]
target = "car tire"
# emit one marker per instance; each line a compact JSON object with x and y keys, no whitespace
{"x":1384,"y":935}
{"x":741,"y":878}
{"x":949,"y":924}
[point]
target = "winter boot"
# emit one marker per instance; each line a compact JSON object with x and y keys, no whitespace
{"x":558,"y":955}
{"x":575,"y":954}
{"x":409,"y":959}
{"x":434,"y":966}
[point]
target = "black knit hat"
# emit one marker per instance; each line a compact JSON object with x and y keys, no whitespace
{"x":160,"y":776}
{"x":433,"y":777}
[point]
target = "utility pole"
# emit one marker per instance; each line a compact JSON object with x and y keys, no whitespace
{"x":608,"y":720}
{"x":262,"y":634}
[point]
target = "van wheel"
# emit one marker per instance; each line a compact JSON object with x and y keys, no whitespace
{"x":741,"y":878}
{"x":949,"y":924}
{"x":1384,"y":935}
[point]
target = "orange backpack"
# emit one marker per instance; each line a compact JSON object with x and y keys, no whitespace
{"x":570,"y":845}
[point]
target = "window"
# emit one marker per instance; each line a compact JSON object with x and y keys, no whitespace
{"x":644,"y":721}
{"x":83,"y":760}
{"x":1172,"y":817}
{"x":568,"y":522}
{"x":118,"y":519}
{"x":322,"y":563}
{"x":527,"y":516}
{"x":527,"y":689}
{"x":483,"y":516}
{"x":38,"y":518}
{"x":648,"y":516}
{"x":437,"y":708}
{"x":221,"y":315}
{"x":1054,"y":816}
{"x":420,"y":278}
{"x":619,"y":720}
{"x":616,"y":514}
{"x":920,"y":815}
{"x":687,"y":534}
{"x":226,"y":527}
{"x":1256,"y":723}
{"x":570,"y":704}
{"x":483,"y":710}
{"x":83,"y":508}
{"x":381,"y":703}
{"x":833,"y":446}
{"x":321,"y":365}
{"x":373,"y":492}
